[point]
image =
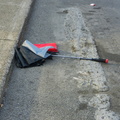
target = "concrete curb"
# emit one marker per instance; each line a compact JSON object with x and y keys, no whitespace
{"x":10,"y":38}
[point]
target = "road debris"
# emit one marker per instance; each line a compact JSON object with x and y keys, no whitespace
{"x":92,"y":4}
{"x":28,"y":55}
{"x":1,"y":105}
{"x":35,"y":54}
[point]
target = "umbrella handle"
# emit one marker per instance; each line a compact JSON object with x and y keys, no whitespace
{"x":100,"y":60}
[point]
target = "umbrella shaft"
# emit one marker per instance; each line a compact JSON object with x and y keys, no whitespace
{"x":71,"y":57}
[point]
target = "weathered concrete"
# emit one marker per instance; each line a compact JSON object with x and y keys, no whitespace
{"x":13,"y":15}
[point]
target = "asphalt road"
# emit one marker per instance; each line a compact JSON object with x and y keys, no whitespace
{"x":40,"y":93}
{"x":103,"y":22}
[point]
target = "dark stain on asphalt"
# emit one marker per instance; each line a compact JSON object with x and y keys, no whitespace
{"x":88,"y":13}
{"x":107,"y":20}
{"x":106,"y":28}
{"x":73,"y":49}
{"x":63,"y":12}
{"x":88,"y":44}
{"x":82,"y":106}
{"x":92,"y":11}
{"x":83,"y":92}
{"x":97,"y":8}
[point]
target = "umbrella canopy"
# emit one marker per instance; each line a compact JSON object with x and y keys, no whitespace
{"x":29,"y":55}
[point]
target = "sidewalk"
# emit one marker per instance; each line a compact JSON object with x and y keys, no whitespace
{"x":13,"y":16}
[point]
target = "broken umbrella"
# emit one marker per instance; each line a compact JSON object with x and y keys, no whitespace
{"x":29,"y":54}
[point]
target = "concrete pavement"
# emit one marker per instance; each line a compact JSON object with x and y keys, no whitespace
{"x":12,"y":18}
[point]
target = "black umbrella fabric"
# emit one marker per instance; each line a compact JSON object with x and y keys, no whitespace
{"x":28,"y":55}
